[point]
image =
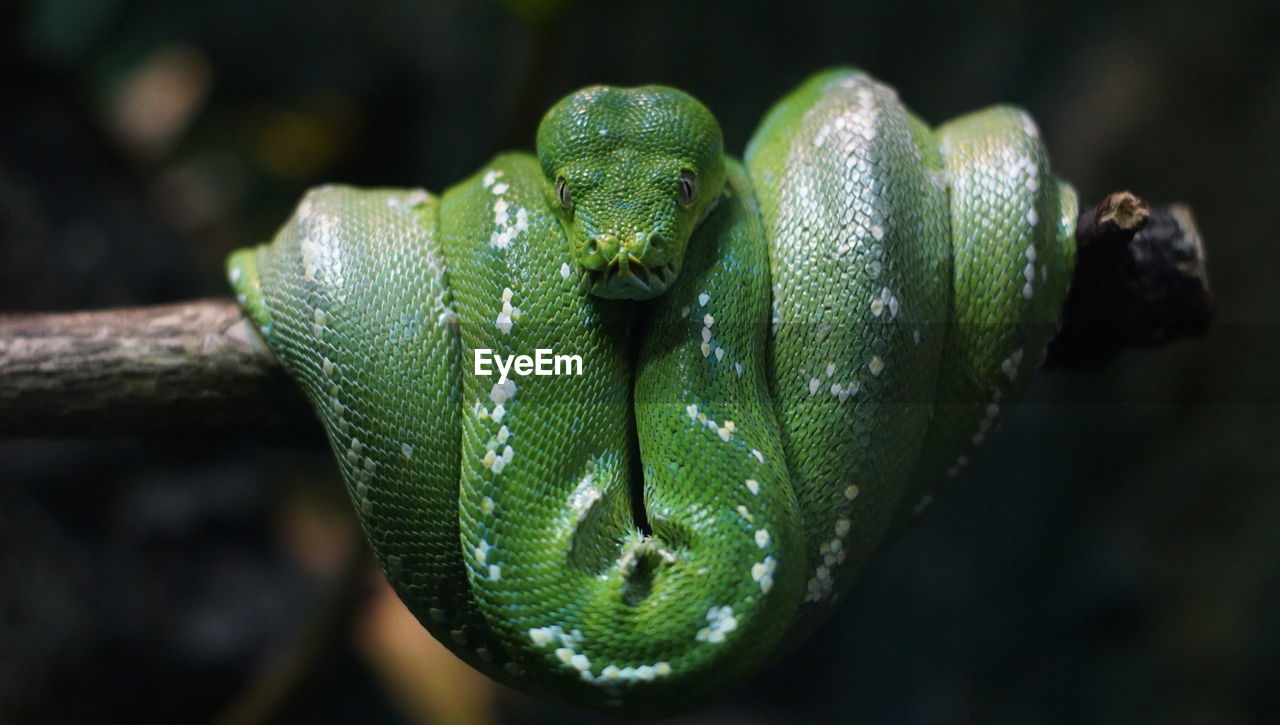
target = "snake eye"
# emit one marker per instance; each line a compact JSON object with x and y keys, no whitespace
{"x":563,"y":195}
{"x":688,"y":187}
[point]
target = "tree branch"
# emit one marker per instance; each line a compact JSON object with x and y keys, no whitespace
{"x":1140,"y":281}
{"x":192,"y":366}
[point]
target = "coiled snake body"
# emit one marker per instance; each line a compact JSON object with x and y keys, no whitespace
{"x":832,"y":326}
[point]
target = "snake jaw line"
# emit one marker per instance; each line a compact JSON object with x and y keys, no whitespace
{"x":626,"y":277}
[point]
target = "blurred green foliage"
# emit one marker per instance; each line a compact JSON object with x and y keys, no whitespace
{"x":537,"y":11}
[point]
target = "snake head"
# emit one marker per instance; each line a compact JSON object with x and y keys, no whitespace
{"x":630,"y":172}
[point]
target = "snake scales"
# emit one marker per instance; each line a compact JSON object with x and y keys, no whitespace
{"x":780,"y":357}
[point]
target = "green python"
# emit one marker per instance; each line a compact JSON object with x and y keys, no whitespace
{"x":780,"y":358}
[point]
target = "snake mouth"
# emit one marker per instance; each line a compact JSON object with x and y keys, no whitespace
{"x":626,"y":277}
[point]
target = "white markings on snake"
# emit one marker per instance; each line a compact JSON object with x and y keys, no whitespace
{"x":508,"y":315}
{"x":725,"y":430}
{"x":842,"y":391}
{"x":584,"y":496}
{"x":762,"y":572}
{"x":876,"y":365}
{"x":832,"y":552}
{"x":1009,"y":366}
{"x":886,"y":300}
{"x":568,"y":655}
{"x":720,"y":622}
{"x":1029,"y":272}
{"x":707,"y":321}
{"x":321,"y":251}
{"x":506,"y":230}
{"x":503,"y":391}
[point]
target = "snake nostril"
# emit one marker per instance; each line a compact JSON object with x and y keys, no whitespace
{"x":593,"y":245}
{"x":657,"y":243}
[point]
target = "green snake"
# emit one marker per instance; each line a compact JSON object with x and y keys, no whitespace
{"x":779,"y":359}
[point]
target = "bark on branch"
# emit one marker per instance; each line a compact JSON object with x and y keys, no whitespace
{"x":1140,"y":280}
{"x":188,"y":366}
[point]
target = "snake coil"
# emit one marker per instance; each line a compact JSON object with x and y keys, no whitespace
{"x":832,"y":326}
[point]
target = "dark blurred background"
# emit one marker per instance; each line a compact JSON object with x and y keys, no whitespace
{"x":1114,"y":558}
